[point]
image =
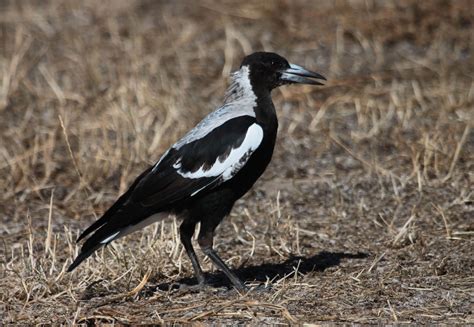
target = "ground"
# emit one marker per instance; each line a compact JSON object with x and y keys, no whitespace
{"x":365,"y":214}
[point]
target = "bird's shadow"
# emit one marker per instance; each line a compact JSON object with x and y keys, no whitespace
{"x":268,"y":271}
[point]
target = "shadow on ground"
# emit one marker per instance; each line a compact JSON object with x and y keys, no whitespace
{"x":269,"y":271}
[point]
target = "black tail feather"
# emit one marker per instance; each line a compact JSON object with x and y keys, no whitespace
{"x":106,"y":217}
{"x":118,"y":217}
{"x":108,"y":230}
{"x":93,"y":243}
{"x":83,"y":256}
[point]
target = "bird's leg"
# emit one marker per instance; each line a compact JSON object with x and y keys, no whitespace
{"x":186,"y":232}
{"x":205,"y":240}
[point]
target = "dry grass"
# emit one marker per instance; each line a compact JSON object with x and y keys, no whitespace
{"x":365,"y":214}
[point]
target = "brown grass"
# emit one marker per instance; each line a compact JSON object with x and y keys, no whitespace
{"x":365,"y":214}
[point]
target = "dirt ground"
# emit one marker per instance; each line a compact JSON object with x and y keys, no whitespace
{"x":365,"y":214}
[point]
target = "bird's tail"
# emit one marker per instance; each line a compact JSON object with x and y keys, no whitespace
{"x":108,"y":228}
{"x":103,"y":236}
{"x":83,"y":255}
{"x":117,"y":226}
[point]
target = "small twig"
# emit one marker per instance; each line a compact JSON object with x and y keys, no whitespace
{"x":142,"y":284}
{"x":47,"y":243}
{"x":403,"y":230}
{"x":375,"y":262}
{"x":394,"y":314}
{"x":71,"y":154}
{"x":457,"y":152}
{"x":445,"y":220}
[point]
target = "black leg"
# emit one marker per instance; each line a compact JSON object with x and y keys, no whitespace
{"x":205,"y":240}
{"x":186,"y":232}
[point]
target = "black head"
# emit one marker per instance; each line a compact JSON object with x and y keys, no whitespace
{"x":269,"y":70}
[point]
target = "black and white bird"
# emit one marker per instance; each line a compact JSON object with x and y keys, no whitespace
{"x":202,"y":175}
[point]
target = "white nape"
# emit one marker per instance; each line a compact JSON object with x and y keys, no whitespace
{"x":240,"y":100}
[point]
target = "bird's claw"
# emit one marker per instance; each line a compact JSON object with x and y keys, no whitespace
{"x":261,"y":288}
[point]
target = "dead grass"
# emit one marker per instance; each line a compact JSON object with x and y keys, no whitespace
{"x":364,"y":216}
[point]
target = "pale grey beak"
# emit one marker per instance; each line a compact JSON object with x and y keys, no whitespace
{"x":298,"y":74}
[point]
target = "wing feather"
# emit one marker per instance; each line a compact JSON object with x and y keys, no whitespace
{"x":200,"y":165}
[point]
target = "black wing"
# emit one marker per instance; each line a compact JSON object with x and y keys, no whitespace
{"x":182,"y":173}
{"x":191,"y":169}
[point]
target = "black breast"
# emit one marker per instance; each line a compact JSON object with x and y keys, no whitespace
{"x":258,"y":162}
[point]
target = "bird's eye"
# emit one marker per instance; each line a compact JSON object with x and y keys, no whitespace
{"x":274,"y":64}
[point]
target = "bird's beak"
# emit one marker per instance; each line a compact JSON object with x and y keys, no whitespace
{"x":298,"y":74}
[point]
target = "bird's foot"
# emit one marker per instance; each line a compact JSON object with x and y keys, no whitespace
{"x":241,"y":288}
{"x":261,"y":288}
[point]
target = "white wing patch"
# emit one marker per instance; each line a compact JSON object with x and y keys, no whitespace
{"x":236,"y":159}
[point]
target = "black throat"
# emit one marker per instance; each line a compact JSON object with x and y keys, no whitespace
{"x":264,"y":110}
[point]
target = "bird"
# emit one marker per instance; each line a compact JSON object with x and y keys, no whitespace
{"x":202,"y":175}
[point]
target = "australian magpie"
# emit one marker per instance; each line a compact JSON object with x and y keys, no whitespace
{"x":202,"y":175}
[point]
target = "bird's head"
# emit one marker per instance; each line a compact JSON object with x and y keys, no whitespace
{"x":269,"y":70}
